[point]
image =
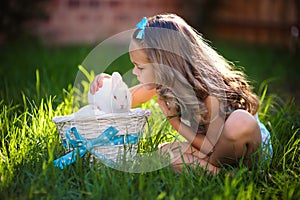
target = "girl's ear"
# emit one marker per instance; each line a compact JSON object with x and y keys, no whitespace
{"x":116,"y":79}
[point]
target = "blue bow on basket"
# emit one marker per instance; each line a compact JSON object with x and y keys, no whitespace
{"x":82,"y":145}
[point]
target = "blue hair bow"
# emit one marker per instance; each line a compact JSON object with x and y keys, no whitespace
{"x":141,"y":25}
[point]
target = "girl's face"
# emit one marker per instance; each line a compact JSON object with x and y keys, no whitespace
{"x":143,"y":69}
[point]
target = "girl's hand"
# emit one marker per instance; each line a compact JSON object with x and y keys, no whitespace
{"x":97,"y":82}
{"x":170,"y":113}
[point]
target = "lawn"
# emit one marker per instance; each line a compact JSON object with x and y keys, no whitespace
{"x":37,"y":85}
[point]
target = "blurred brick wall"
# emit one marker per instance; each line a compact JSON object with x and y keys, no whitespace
{"x":257,"y":21}
{"x":89,"y":21}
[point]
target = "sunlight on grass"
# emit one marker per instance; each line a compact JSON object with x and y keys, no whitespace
{"x":30,"y":142}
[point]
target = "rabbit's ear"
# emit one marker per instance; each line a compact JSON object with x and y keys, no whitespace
{"x":116,"y":79}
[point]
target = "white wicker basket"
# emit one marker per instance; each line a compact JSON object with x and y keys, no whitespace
{"x":132,"y":122}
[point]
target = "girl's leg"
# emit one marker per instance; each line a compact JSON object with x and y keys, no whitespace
{"x":193,"y":162}
{"x":240,"y":138}
{"x":182,"y":153}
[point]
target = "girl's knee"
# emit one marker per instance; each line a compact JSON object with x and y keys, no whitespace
{"x":240,"y":126}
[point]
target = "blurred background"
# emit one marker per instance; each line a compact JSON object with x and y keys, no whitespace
{"x":42,"y":42}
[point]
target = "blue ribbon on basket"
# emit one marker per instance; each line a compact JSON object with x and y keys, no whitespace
{"x":82,"y":145}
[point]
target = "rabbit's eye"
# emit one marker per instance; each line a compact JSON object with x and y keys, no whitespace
{"x":126,"y":97}
{"x":115,"y":97}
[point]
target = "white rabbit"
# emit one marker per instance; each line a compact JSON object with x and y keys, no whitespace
{"x":113,"y":97}
{"x":87,"y":112}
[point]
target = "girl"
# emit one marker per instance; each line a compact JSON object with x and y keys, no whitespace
{"x":208,"y":102}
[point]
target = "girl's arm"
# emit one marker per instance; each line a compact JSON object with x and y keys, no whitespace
{"x":204,"y":143}
{"x":141,"y":95}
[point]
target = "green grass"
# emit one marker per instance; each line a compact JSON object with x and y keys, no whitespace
{"x":19,"y":61}
{"x":30,"y":143}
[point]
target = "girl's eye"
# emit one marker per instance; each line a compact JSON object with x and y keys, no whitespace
{"x":139,"y":68}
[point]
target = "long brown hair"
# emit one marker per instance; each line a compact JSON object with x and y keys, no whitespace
{"x":187,"y":68}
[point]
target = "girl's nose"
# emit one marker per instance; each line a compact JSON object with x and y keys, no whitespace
{"x":134,"y":71}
